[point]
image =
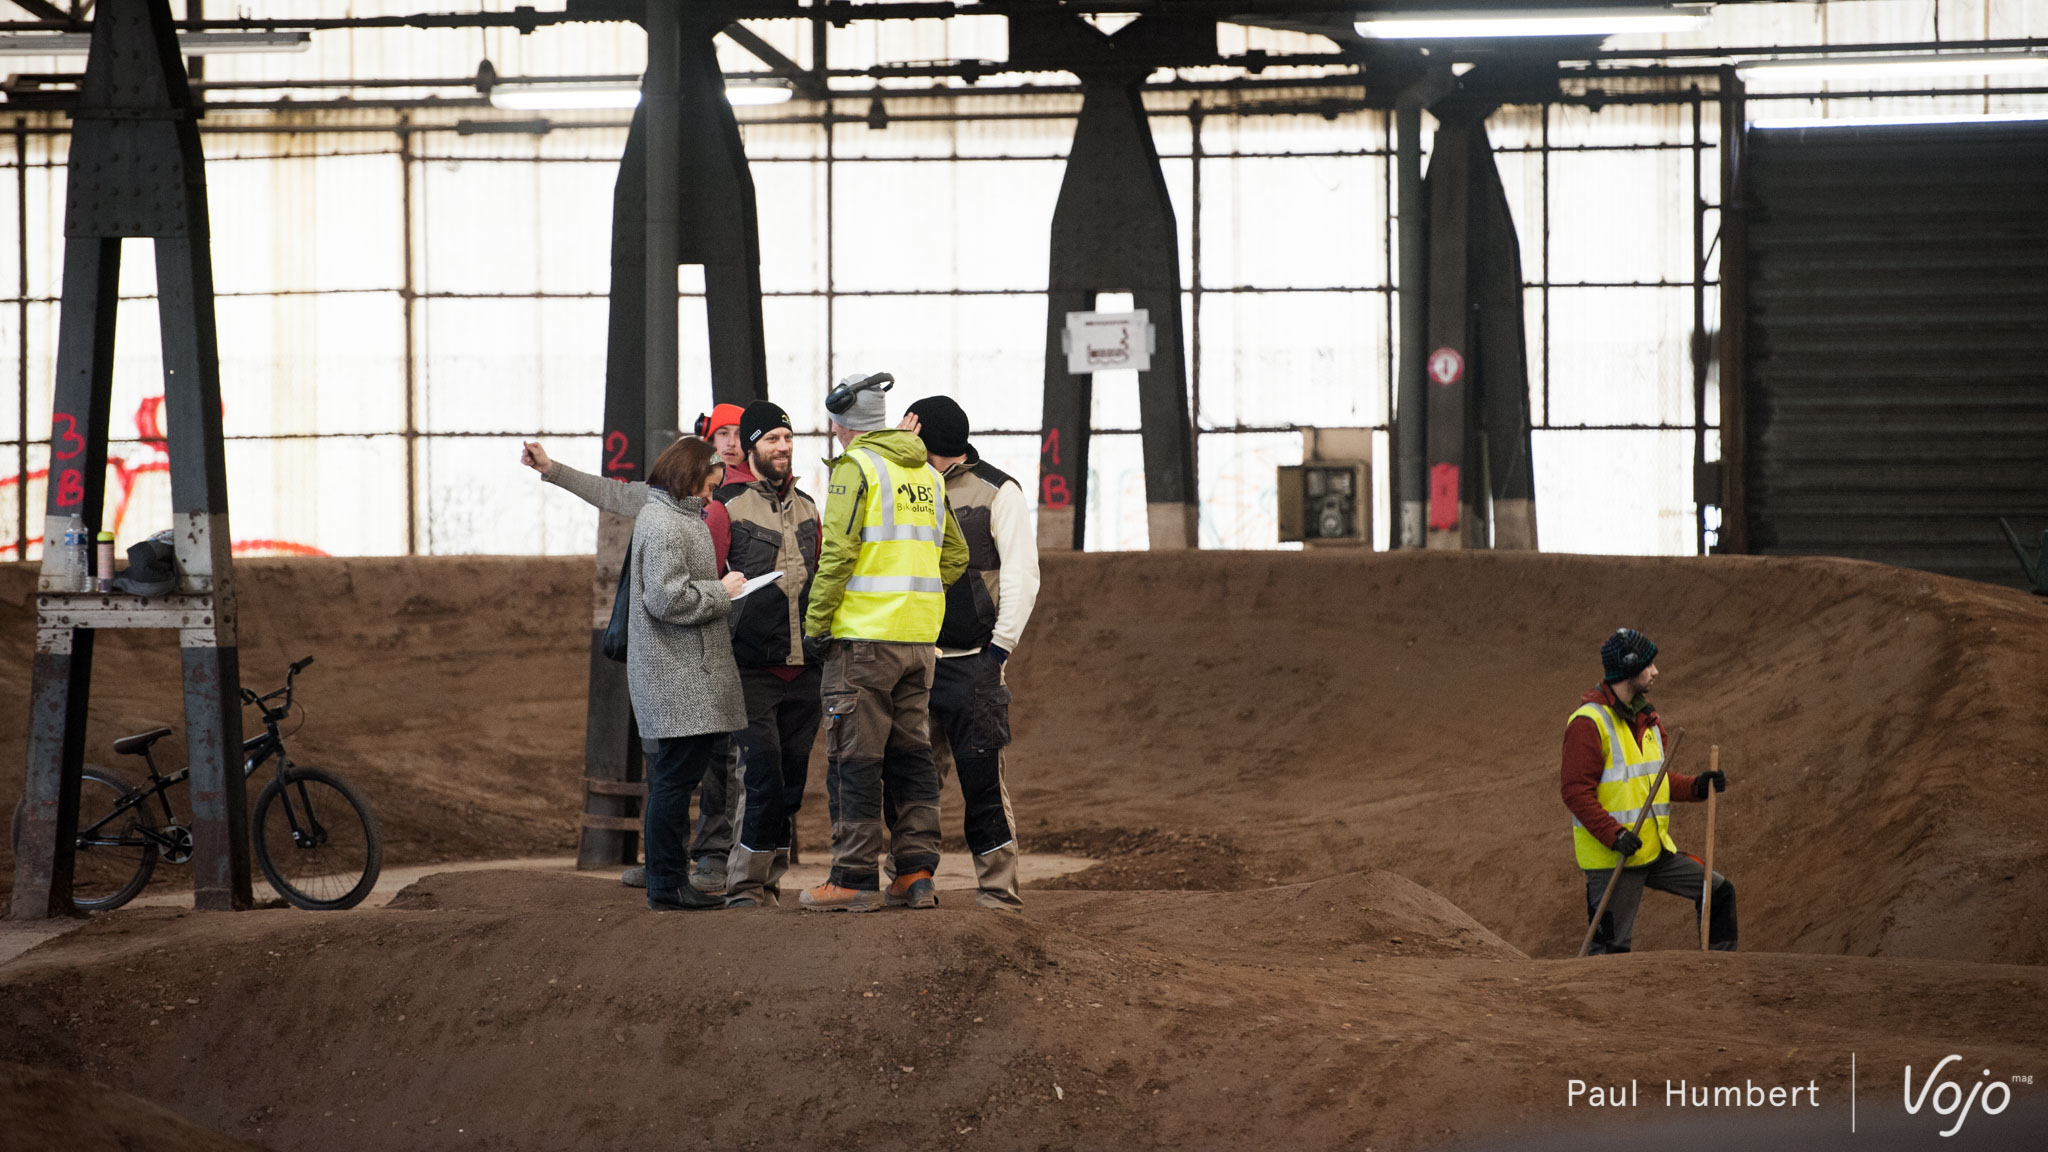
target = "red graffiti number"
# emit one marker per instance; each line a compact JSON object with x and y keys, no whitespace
{"x":1443,"y":497}
{"x":615,"y":461}
{"x":65,"y":442}
{"x":70,"y":488}
{"x":1052,"y":491}
{"x":1050,"y":447}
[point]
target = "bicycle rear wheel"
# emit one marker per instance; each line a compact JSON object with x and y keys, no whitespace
{"x":317,"y":840}
{"x":113,"y":860}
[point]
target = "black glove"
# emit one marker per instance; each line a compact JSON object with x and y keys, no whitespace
{"x":1627,"y":843}
{"x":816,"y":648}
{"x":1002,"y":655}
{"x":1714,"y":776}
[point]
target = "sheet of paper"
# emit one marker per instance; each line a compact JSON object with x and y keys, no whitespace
{"x":759,"y":582}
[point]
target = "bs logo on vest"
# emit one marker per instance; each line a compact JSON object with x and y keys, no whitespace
{"x":918,"y":496}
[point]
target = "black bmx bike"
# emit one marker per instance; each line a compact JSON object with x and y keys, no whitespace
{"x":315,"y":837}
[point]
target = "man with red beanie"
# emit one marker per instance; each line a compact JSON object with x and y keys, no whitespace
{"x":722,"y":429}
{"x":1613,"y":749}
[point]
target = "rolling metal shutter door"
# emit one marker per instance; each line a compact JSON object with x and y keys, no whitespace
{"x":1897,"y":344}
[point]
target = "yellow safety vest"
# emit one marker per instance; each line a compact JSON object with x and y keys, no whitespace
{"x":1625,"y":789}
{"x":895,"y":593}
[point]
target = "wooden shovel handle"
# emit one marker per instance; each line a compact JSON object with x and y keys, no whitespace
{"x":1707,"y":885}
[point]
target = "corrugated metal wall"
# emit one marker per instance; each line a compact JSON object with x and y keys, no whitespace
{"x":1898,"y":343}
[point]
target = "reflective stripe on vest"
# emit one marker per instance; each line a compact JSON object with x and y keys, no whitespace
{"x":1625,"y":790}
{"x":895,"y":593}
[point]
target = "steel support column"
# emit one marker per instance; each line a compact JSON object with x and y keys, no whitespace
{"x":136,"y":170}
{"x":1411,"y":466}
{"x":684,"y":196}
{"x":1114,"y":230}
{"x":1734,"y":535}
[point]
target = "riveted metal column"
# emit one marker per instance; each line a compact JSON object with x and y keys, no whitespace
{"x":661,"y":106}
{"x":136,"y":170}
{"x":1114,"y":230}
{"x":611,"y":747}
{"x":1450,"y":394}
{"x":1411,"y":420}
{"x":718,"y":225}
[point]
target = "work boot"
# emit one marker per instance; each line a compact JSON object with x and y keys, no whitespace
{"x":708,"y":876}
{"x":634,"y":877}
{"x":912,"y":890}
{"x":742,"y":902}
{"x":830,"y":897}
{"x":683,"y":899}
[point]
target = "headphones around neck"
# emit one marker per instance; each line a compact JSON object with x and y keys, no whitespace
{"x":841,"y":397}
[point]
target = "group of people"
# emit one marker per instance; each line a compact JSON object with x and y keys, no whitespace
{"x":895,"y":611}
{"x":890,"y":624}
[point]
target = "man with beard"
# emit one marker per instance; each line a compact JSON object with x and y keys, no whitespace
{"x":775,"y":527}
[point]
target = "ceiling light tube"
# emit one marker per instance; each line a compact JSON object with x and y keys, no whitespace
{"x":543,"y":97}
{"x":758,"y":92}
{"x":1903,"y":67}
{"x":1477,"y":24}
{"x":189,"y":43}
{"x":1782,"y":123}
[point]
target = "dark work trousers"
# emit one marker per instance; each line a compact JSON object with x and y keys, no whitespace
{"x":1673,"y":872}
{"x":715,"y":807}
{"x":876,"y":698}
{"x":970,"y":728}
{"x":775,"y":752}
{"x":675,"y":767}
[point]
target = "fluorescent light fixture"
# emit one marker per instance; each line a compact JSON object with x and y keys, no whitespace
{"x":1479,"y":24}
{"x":189,"y":43}
{"x":1882,"y":67}
{"x":544,"y":97}
{"x":1770,"y":124}
{"x":758,"y":92}
{"x":541,"y":96}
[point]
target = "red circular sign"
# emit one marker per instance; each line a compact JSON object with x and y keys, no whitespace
{"x":1446,"y":366}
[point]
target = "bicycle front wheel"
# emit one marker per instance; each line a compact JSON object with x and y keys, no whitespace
{"x":317,"y":840}
{"x":114,"y":859}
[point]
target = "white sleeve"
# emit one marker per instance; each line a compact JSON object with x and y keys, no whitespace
{"x":1017,"y":547}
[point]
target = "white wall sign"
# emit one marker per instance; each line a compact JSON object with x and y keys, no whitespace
{"x":1102,"y":341}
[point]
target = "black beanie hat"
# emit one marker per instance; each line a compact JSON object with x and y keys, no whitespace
{"x":1626,"y":654}
{"x":761,"y":418}
{"x":942,"y":425}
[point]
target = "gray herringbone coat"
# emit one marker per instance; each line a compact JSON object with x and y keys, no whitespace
{"x":679,"y":663}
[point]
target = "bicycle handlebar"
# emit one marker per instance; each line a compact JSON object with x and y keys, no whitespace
{"x":249,"y":697}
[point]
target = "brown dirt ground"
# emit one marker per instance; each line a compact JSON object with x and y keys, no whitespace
{"x":1211,"y":724}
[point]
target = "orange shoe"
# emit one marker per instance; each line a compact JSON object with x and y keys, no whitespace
{"x":830,"y":897}
{"x":912,"y":890}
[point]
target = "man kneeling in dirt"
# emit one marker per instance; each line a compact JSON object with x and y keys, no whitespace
{"x":1613,"y":749}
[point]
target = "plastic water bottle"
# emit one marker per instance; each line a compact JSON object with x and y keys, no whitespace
{"x":81,"y":558}
{"x":104,"y":563}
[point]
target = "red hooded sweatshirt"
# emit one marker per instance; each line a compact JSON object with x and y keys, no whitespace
{"x":1579,"y":780}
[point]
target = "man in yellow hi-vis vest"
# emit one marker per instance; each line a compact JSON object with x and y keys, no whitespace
{"x":891,"y":546}
{"x":1613,"y":748}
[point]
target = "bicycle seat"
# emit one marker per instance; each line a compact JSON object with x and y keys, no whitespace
{"x":139,"y":743}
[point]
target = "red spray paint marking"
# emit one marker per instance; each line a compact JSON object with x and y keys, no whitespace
{"x":1443,"y":497}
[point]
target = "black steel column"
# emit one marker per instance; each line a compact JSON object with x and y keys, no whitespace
{"x":689,"y":144}
{"x":1450,"y":344}
{"x":1114,"y":230}
{"x":136,"y":170}
{"x":61,"y":680}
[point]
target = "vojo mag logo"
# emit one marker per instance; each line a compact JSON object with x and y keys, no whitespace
{"x":1947,"y":1098}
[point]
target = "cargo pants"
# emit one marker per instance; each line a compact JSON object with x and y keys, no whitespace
{"x":1673,"y":872}
{"x":971,"y":727}
{"x":877,"y":700}
{"x":775,"y":752}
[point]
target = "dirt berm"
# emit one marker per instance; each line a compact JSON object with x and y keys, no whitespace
{"x":1335,"y":894}
{"x":1223,"y":720}
{"x":537,"y":1012}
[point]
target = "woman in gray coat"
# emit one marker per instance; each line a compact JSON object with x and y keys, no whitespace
{"x":679,"y":665}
